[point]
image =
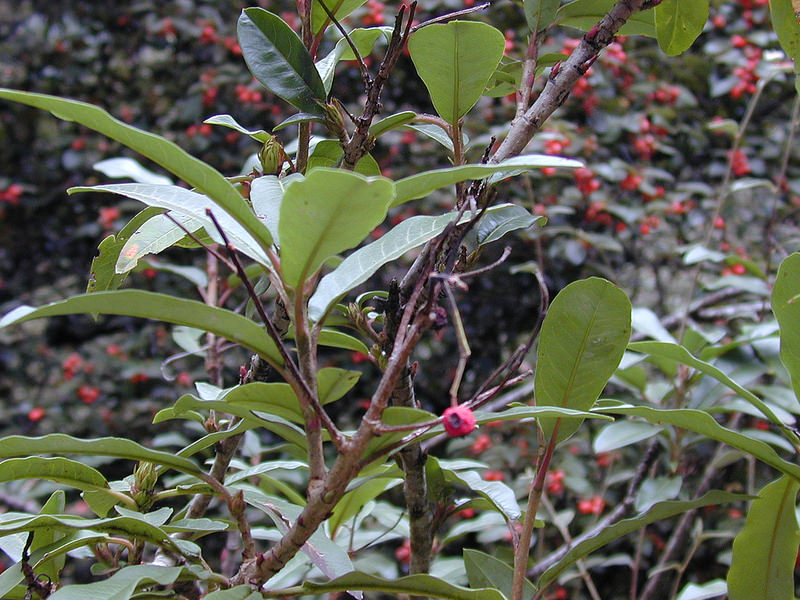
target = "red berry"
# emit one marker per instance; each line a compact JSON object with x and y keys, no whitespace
{"x":481,"y":444}
{"x":719,"y":223}
{"x":738,"y":269}
{"x":36,"y":414}
{"x":458,"y":420}
{"x":403,"y":553}
{"x":88,"y":394}
{"x":494,"y":476}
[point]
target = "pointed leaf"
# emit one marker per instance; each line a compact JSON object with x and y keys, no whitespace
{"x":121,"y":585}
{"x":494,"y":225}
{"x":420,"y":585}
{"x":484,"y":570}
{"x":678,"y":23}
{"x":786,"y":307}
{"x":339,"y":8}
{"x":103,"y":274}
{"x":153,"y":236}
{"x":585,"y":14}
{"x":43,"y":538}
{"x":765,"y":551}
{"x":498,"y":493}
{"x":540,"y":13}
{"x":328,"y":212}
{"x":703,"y":423}
{"x":621,"y":434}
{"x":392,"y":122}
{"x":240,"y":592}
{"x":277,"y":57}
{"x":682,"y":355}
{"x":180,"y":200}
{"x":150,"y":305}
{"x":228,"y":121}
{"x":58,"y":443}
{"x":582,"y":341}
{"x":193,"y":171}
{"x":662,"y":510}
{"x":60,"y":470}
{"x":455,"y":61}
{"x":787,"y":26}
{"x":124,"y":167}
{"x":422,"y":184}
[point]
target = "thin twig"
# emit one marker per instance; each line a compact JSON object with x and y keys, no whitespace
{"x":361,"y":66}
{"x":452,"y":15}
{"x":201,"y":243}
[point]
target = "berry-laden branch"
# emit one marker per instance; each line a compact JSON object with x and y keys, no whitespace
{"x":565,"y":75}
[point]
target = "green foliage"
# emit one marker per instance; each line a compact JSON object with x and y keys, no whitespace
{"x":762,"y":565}
{"x":455,"y":61}
{"x":678,"y":23}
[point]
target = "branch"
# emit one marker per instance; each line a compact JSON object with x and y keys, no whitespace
{"x":361,"y":66}
{"x":563,"y":79}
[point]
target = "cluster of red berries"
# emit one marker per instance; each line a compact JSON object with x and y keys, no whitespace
{"x":739,"y":163}
{"x":246,"y":95}
{"x":374,"y":15}
{"x":107,"y":216}
{"x":592,"y":506}
{"x":555,"y":482}
{"x":586,"y":180}
{"x":88,"y":394}
{"x":73,"y":364}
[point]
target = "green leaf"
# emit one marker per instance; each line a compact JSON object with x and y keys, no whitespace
{"x":59,"y":443}
{"x":121,"y":585}
{"x":152,"y":237}
{"x":193,"y":171}
{"x":621,"y":434}
{"x":786,"y":307}
{"x":540,"y":13}
{"x":329,"y":211}
{"x":228,"y":121}
{"x":420,"y":585}
{"x":329,"y":153}
{"x":277,"y":57}
{"x":667,"y":350}
{"x":703,"y":423}
{"x":678,"y":23}
{"x":44,"y":538}
{"x":496,"y":492}
{"x":354,"y":500}
{"x":786,"y":26}
{"x":495,"y":224}
{"x":659,"y":511}
{"x":764,"y":552}
{"x":422,"y":184}
{"x":339,"y":8}
{"x":455,"y":61}
{"x":180,"y":200}
{"x":150,"y":305}
{"x":103,"y":274}
{"x":60,"y":470}
{"x":364,"y":40}
{"x":338,"y":339}
{"x":484,"y":570}
{"x":583,"y":337}
{"x":391,"y":122}
{"x":240,"y":592}
{"x":585,"y":14}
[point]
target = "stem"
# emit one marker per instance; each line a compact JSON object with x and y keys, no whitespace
{"x":524,"y":543}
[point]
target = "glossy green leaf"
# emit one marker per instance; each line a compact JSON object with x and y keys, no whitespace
{"x":436,"y":133}
{"x":278,"y":59}
{"x":266,"y":194}
{"x":103,"y":274}
{"x":670,"y":351}
{"x":495,"y":224}
{"x":583,"y":338}
{"x":44,"y":538}
{"x":180,"y":200}
{"x":764,"y":552}
{"x":339,"y":339}
{"x":539,"y":14}
{"x":339,"y":8}
{"x":786,"y":26}
{"x":703,"y":423}
{"x":150,"y":305}
{"x":193,"y":171}
{"x":662,"y":510}
{"x":496,"y":492}
{"x":621,"y":434}
{"x":355,"y":499}
{"x":678,"y":23}
{"x":228,"y":121}
{"x":298,"y":118}
{"x":786,"y":307}
{"x":121,"y":585}
{"x":154,"y":236}
{"x":59,"y":443}
{"x":422,"y":184}
{"x":240,"y":592}
{"x":391,"y":122}
{"x":484,"y":570}
{"x":329,"y":153}
{"x":123,"y":167}
{"x":61,"y":470}
{"x":328,"y":212}
{"x":128,"y":526}
{"x":359,"y":266}
{"x":364,"y":40}
{"x":455,"y":61}
{"x":420,"y":585}
{"x":585,"y":14}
